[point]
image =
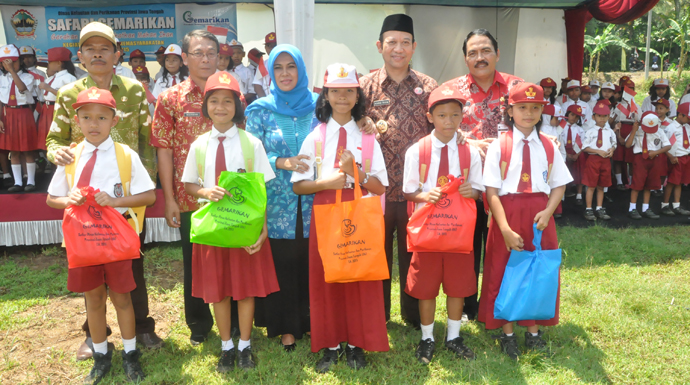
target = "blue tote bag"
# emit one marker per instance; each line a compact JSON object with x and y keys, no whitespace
{"x":530,"y":284}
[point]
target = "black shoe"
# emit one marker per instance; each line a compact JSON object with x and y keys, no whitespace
{"x":132,"y":367}
{"x":668,"y":211}
{"x":681,"y":211}
{"x":101,"y":367}
{"x":246,"y":359}
{"x":579,"y":202}
{"x":458,"y":347}
{"x":29,"y":188}
{"x":330,"y":358}
{"x":226,"y":362}
{"x":634,"y":214}
{"x":535,"y":342}
{"x":621,"y":187}
{"x":601,"y":214}
{"x":650,"y":214}
{"x":7,"y":182}
{"x":509,"y":345}
{"x":425,"y":351}
{"x":15,"y":188}
{"x":290,"y":348}
{"x":355,"y":357}
{"x":589,"y":215}
{"x":197,"y":340}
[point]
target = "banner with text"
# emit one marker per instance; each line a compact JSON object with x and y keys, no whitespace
{"x":145,"y":27}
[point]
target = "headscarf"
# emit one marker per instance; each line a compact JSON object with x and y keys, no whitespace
{"x":297,"y":102}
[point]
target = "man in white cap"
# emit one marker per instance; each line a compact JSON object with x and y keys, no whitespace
{"x":98,"y":53}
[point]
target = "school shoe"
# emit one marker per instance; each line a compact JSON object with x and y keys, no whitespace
{"x":245,"y":359}
{"x":650,"y":214}
{"x":458,"y":347}
{"x":101,"y":366}
{"x":15,"y":188}
{"x":197,"y":339}
{"x":681,"y":211}
{"x":329,"y":358}
{"x":29,"y":188}
{"x":131,"y":366}
{"x":425,"y":351}
{"x":509,"y":345}
{"x":601,"y":214}
{"x":668,"y":211}
{"x":355,"y":357}
{"x":226,"y":362}
{"x":536,"y":342}
{"x":634,"y":214}
{"x":589,"y":215}
{"x":7,"y":182}
{"x":621,"y":187}
{"x":150,"y":340}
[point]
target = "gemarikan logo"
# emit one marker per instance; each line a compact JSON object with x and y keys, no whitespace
{"x":348,"y":228}
{"x":444,"y":201}
{"x":237,"y":197}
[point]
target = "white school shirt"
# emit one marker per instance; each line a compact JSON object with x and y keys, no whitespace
{"x":164,"y":83}
{"x":546,"y":119}
{"x":246,"y":78}
{"x":38,"y":94}
{"x":676,"y":129}
{"x":105,"y":175}
{"x":234,"y":161}
{"x":263,"y":81}
{"x":124,"y":71}
{"x":554,"y":131}
{"x":618,"y":115}
{"x":593,"y":102}
{"x":608,"y":138}
{"x":577,"y":131}
{"x":586,"y":110}
{"x":23,"y":98}
{"x":655,"y":141}
{"x":354,"y":145}
{"x":411,"y":173}
{"x":559,"y":175}
{"x":58,"y":80}
{"x":647,"y":105}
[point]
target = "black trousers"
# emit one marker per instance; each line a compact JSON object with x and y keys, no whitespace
{"x":140,"y":296}
{"x":480,"y":233}
{"x":395,"y":219}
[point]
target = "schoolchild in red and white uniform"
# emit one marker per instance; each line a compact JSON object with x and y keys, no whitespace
{"x":659,"y":90}
{"x":595,"y":86}
{"x":60,"y":73}
{"x":678,"y":132}
{"x":571,"y":141}
{"x":528,"y":193}
{"x":573,"y":92}
{"x":647,"y":140}
{"x":623,"y":113}
{"x":174,"y":71}
{"x":600,"y":143}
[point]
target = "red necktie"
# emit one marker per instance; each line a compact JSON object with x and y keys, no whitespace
{"x":600,"y":138}
{"x":13,"y":97}
{"x":174,"y":80}
{"x":342,"y":146}
{"x":525,"y":183}
{"x":645,"y":152}
{"x":45,"y":93}
{"x":85,"y":177}
{"x":569,"y":143}
{"x":114,"y":70}
{"x":443,"y":168}
{"x":686,"y":143}
{"x":220,"y":158}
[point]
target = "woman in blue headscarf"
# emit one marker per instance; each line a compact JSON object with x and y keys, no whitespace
{"x":282,"y":121}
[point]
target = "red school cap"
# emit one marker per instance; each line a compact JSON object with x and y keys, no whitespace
{"x":445,"y":93}
{"x":140,"y":70}
{"x":225,"y":50}
{"x":160,"y":50}
{"x":95,"y":95}
{"x":602,"y":108}
{"x":59,"y":54}
{"x":547,"y":82}
{"x":270,"y":38}
{"x":222,"y":80}
{"x":684,"y":108}
{"x":575,"y":109}
{"x":137,"y":53}
{"x":526,"y":93}
{"x":663,"y":102}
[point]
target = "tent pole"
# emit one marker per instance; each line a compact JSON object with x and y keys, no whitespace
{"x":649,"y":38}
{"x":295,"y":25}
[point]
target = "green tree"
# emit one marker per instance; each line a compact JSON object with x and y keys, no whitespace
{"x":602,"y":40}
{"x":679,"y":31}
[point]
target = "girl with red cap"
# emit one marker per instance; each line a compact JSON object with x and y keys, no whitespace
{"x":174,"y":71}
{"x":523,"y":186}
{"x":659,"y":90}
{"x":60,"y":72}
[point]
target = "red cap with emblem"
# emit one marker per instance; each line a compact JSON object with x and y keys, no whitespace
{"x":663,"y":102}
{"x":630,"y":84}
{"x":137,"y":53}
{"x":95,"y":95}
{"x":526,"y":93}
{"x":222,"y":81}
{"x":649,"y":122}
{"x":605,"y":101}
{"x":617,"y":89}
{"x":547,"y":82}
{"x":602,"y":108}
{"x":255,"y":55}
{"x":9,"y":52}
{"x":160,"y":50}
{"x":59,"y":54}
{"x":575,"y":109}
{"x":225,"y":50}
{"x":140,"y":70}
{"x":270,"y":38}
{"x":585,"y":90}
{"x":623,"y":80}
{"x":684,"y":108}
{"x":549,"y":109}
{"x":445,"y":93}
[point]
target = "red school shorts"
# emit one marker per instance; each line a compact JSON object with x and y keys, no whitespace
{"x":597,"y":171}
{"x":679,"y":173}
{"x":429,"y":270}
{"x":117,"y":275}
{"x":645,"y":174}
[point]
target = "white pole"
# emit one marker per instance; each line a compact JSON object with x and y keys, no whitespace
{"x":295,"y":25}
{"x":649,"y":39}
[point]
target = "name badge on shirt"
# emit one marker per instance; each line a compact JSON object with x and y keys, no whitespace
{"x":381,"y":102}
{"x":192,"y":114}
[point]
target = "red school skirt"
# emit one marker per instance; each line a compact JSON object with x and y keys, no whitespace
{"x":621,"y":153}
{"x":20,"y":130}
{"x":520,"y":210}
{"x":351,"y":312}
{"x":44,"y":122}
{"x":219,"y":272}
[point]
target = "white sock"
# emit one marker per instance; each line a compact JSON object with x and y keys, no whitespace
{"x":676,"y":205}
{"x":633,"y":206}
{"x":578,"y":196}
{"x":101,"y":347}
{"x":335,"y":348}
{"x":243,"y":344}
{"x":129,"y":345}
{"x":31,"y":173}
{"x":606,"y":189}
{"x":509,"y":334}
{"x":453,"y":329}
{"x":663,"y":205}
{"x":598,"y":207}
{"x":226,"y":345}
{"x":351,"y":346}
{"x":645,"y":207}
{"x":619,"y":178}
{"x":534,"y":334}
{"x":17,"y":172}
{"x":428,"y":331}
{"x":6,"y":175}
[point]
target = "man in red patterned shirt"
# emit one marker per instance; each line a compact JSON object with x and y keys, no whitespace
{"x":396,"y":100}
{"x":486,"y":91}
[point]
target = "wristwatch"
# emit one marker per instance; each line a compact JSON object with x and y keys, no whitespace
{"x":366,"y":178}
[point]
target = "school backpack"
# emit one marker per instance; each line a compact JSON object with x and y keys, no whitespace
{"x":124,"y":166}
{"x":201,"y":144}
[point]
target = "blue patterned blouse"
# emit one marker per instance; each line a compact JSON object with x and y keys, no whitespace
{"x":282,"y":137}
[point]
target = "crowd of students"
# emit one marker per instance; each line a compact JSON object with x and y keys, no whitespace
{"x":596,"y":129}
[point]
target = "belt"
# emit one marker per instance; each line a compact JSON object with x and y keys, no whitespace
{"x":22,"y":106}
{"x":49,"y":103}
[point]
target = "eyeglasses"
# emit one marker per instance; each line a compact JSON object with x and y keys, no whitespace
{"x":199,"y":55}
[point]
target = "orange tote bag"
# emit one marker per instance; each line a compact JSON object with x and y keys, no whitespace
{"x":350,"y":237}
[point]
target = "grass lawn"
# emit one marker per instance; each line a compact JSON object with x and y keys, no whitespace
{"x":625,"y":318}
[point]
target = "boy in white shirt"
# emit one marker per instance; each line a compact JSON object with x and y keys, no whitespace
{"x":600,"y":143}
